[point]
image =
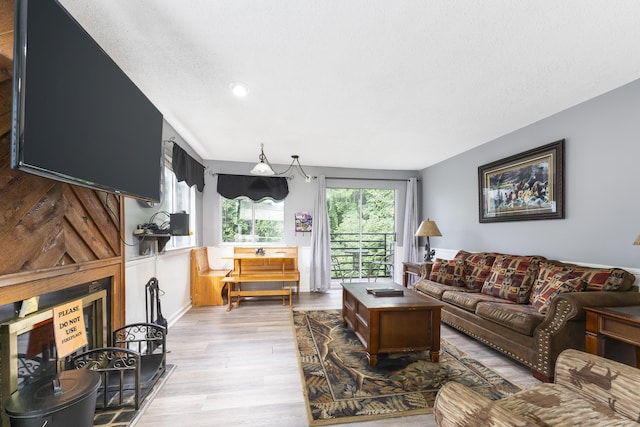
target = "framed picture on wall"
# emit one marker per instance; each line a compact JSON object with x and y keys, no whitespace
{"x":303,"y":222}
{"x":526,"y":186}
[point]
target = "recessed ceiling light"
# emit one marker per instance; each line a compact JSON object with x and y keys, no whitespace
{"x":239,"y":88}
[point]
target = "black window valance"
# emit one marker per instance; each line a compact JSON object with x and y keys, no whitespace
{"x":186,"y":168}
{"x":253,"y":187}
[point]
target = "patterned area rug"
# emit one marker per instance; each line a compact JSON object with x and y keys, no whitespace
{"x":341,"y":387}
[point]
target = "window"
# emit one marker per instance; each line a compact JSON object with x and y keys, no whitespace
{"x":179,"y":197}
{"x":176,"y":197}
{"x":246,"y":221}
{"x":362,"y":228}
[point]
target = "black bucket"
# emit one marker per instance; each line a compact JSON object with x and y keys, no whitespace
{"x":63,"y":400}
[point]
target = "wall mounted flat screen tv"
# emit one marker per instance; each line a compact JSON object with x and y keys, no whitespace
{"x":76,"y":115}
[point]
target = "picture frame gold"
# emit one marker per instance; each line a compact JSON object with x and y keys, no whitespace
{"x":526,"y":186}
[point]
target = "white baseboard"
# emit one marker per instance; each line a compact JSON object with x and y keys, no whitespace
{"x":179,"y":314}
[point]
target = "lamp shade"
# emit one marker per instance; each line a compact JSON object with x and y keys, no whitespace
{"x":428,"y":228}
{"x":261,"y":168}
{"x":637,"y":241}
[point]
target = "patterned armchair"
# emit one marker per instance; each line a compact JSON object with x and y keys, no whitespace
{"x":588,"y":390}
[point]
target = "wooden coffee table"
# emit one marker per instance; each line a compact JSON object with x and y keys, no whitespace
{"x":389,"y":324}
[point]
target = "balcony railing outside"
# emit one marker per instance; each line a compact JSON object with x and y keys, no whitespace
{"x":362,"y":256}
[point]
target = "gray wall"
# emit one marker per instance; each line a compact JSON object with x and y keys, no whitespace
{"x":302,"y":195}
{"x":170,"y":268}
{"x":602,"y":206}
{"x":137,"y":214}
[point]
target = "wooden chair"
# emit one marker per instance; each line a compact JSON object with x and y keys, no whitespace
{"x":206,"y":283}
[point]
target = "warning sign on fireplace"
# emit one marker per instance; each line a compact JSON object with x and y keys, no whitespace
{"x":68,"y":326}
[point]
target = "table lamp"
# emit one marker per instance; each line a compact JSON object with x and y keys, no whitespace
{"x":428,"y":228}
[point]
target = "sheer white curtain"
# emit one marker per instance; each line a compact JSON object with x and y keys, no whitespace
{"x":410,"y":241}
{"x":320,"y":266}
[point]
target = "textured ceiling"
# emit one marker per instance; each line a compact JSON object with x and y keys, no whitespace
{"x":382,"y":84}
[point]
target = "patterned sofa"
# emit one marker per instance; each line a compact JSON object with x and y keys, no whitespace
{"x":527,"y":307}
{"x":588,"y":391}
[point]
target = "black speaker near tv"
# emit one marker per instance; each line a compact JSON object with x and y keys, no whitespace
{"x":179,"y":224}
{"x":77,"y":117}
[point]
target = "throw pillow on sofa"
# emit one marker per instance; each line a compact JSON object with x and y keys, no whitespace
{"x":447,"y":272}
{"x":601,"y":279}
{"x":548,"y":270}
{"x":559,"y":283}
{"x":512,"y":277}
{"x":598,"y":279}
{"x":477,"y":267}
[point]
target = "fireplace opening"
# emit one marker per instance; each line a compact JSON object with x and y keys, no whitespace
{"x":11,"y":311}
{"x":27,"y":344}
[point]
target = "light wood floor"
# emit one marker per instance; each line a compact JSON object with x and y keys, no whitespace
{"x":240,"y":368}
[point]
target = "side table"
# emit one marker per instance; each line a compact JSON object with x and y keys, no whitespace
{"x":411,"y":268}
{"x":619,"y":323}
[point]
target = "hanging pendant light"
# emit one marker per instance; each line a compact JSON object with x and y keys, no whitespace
{"x":262,"y":168}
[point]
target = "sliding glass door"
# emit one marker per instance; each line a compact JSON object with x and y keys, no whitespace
{"x":362,"y":228}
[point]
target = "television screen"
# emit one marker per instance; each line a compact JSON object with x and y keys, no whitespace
{"x":77,"y":117}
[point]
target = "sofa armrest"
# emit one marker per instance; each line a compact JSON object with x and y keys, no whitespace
{"x":457,"y":405}
{"x":564,"y":324}
{"x":570,"y":305}
{"x":606,"y":381}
